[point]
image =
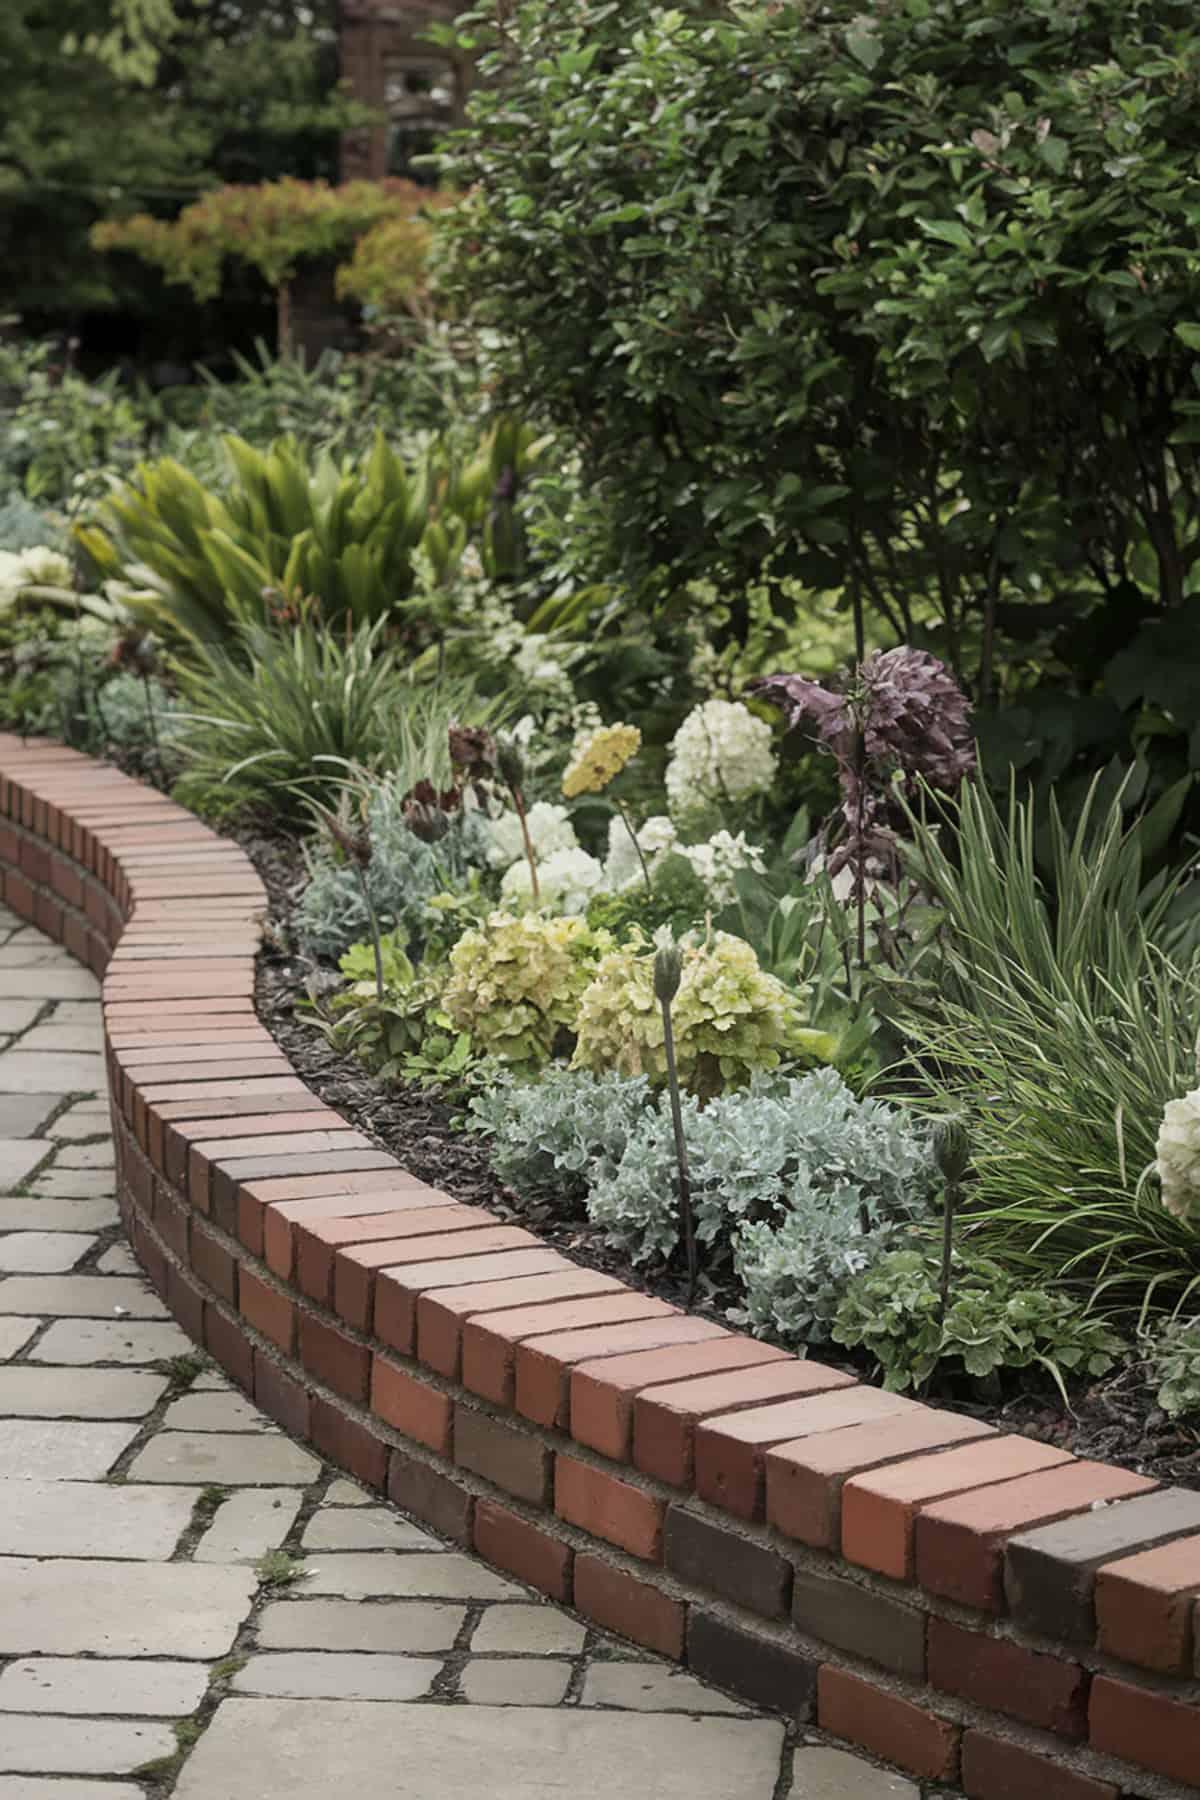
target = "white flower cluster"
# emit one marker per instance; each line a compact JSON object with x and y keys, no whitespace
{"x":39,"y":567}
{"x":715,"y":861}
{"x":567,"y":880}
{"x":550,"y":829}
{"x":721,"y":753}
{"x":1178,"y":1156}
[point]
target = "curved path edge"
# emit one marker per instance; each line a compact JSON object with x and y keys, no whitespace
{"x":974,"y":1608}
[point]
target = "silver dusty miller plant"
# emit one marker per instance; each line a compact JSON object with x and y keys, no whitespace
{"x":899,"y":719}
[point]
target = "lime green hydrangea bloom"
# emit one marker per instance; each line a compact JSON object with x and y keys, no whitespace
{"x":730,"y":1017}
{"x":601,"y":759}
{"x":515,"y":983}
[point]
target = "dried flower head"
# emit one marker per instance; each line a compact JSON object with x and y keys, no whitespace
{"x":473,"y":751}
{"x":600,"y":759}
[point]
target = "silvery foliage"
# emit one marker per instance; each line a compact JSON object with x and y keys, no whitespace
{"x":551,"y":1140}
{"x":124,"y":704}
{"x":402,"y":877}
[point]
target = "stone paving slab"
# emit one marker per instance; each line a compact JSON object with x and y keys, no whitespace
{"x":41,"y":1252}
{"x":441,"y":1577}
{"x":319,"y":1675}
{"x":80,"y":1746}
{"x":307,"y":1750}
{"x":81,"y":1296}
{"x":821,"y":1773}
{"x":92,"y":1519}
{"x":214,"y":1412}
{"x":249,"y":1524}
{"x":43,"y":1393}
{"x":23,"y":1115}
{"x":649,"y":1687}
{"x":19,"y":1156}
{"x":364,"y":1528}
{"x":18,"y":1214}
{"x":527,"y":1681}
{"x":34,"y":1787}
{"x":225,"y":1460}
{"x":14,"y":1335}
{"x":73,"y":1184}
{"x":83,"y":1341}
{"x":528,"y":1631}
{"x":345,"y":1625}
{"x":120,"y":1608}
{"x":64,"y":1684}
{"x":49,"y":1072}
{"x":60,"y":1449}
{"x":51,"y":981}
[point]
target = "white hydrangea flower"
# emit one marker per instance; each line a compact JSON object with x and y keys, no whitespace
{"x":567,"y":879}
{"x":716,"y":863}
{"x":1178,"y":1156}
{"x":621,"y":866}
{"x":550,"y":829}
{"x":543,"y":663}
{"x":39,"y":567}
{"x":721,"y":753}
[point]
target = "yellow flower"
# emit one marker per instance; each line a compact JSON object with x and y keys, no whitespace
{"x":601,"y":759}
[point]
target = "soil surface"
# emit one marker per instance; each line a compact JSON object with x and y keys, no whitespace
{"x":1115,"y":1420}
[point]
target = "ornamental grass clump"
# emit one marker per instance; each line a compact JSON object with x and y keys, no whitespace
{"x":516,"y":984}
{"x":731,"y":1019}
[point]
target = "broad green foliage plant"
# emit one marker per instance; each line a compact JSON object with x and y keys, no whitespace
{"x":516,"y":983}
{"x":1172,"y":1356}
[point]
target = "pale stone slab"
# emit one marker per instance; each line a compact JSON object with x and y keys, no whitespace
{"x":83,"y":1341}
{"x":14,"y":1335}
{"x":525,"y":1681}
{"x":60,"y":1684}
{"x":121,"y":1608}
{"x":61,"y":1450}
{"x":249,"y":1524}
{"x":86,"y":1156}
{"x":30,"y":950}
{"x":224,"y":1460}
{"x":343,"y":1625}
{"x":215,"y":1412}
{"x":74,"y":1184}
{"x":19,"y":1156}
{"x":18,"y":1015}
{"x":652,"y":1687}
{"x":101,"y":1519}
{"x":366,"y":1528}
{"x":118,"y":1259}
{"x":44,"y":1743}
{"x":528,"y":1631}
{"x":33,"y":1787}
{"x":315,"y":1748}
{"x":50,"y":1072}
{"x":442,"y":1577}
{"x":41,"y":1252}
{"x":345,"y":1493}
{"x":87,"y":1120}
{"x":57,"y":1215}
{"x":58,"y":981}
{"x":22,"y":1115}
{"x":313,"y":1675}
{"x":820,"y":1773}
{"x":77,"y":1012}
{"x":80,"y":1296}
{"x":54,"y":1037}
{"x":30,"y":1392}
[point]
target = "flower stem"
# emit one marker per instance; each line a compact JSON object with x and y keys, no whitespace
{"x":376,"y":943}
{"x":633,"y":834}
{"x":519,"y":802}
{"x":681,"y":1155}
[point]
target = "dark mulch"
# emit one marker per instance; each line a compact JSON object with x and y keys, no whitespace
{"x":1114,"y":1421}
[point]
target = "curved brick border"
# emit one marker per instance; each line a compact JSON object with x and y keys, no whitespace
{"x":965,"y":1605}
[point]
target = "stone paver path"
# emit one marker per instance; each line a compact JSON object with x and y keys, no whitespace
{"x":192,"y":1604}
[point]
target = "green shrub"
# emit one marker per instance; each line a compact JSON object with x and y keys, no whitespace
{"x":516,"y":983}
{"x":731,"y":1019}
{"x":993,"y":1322}
{"x":1172,"y":1356}
{"x":553,"y":1139}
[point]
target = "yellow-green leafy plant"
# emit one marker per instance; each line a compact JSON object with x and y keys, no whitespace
{"x":515,"y":983}
{"x":730,"y":1017}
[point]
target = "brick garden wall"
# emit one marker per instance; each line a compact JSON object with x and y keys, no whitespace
{"x":987,"y":1613}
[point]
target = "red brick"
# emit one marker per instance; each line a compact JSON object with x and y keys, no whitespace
{"x":186,"y":1301}
{"x":1144,"y":1606}
{"x":397,"y":1291}
{"x":603,"y":1393}
{"x":619,"y":1602}
{"x":888,"y":1726}
{"x":411,"y":1407}
{"x":48,"y":916}
{"x":960,"y":1542}
{"x":544,"y":1365}
{"x":489,"y":1347}
{"x":334,"y":1358}
{"x":214,"y":1159}
{"x":879,"y":1510}
{"x":213,"y":1263}
{"x":525,"y":1550}
{"x":316,"y":1240}
{"x":665,"y":1418}
{"x":608,"y":1508}
{"x":439,"y":1499}
{"x":281,"y":1218}
{"x":355,"y":1271}
{"x":150,"y":1254}
{"x":348,"y":1442}
{"x":442,"y":1313}
{"x":1146,"y":1728}
{"x":804,"y":1479}
{"x":281,"y":1396}
{"x":227,"y":1342}
{"x":268,"y":1310}
{"x":995,"y":1769}
{"x":515,"y":1460}
{"x":729,"y":1449}
{"x":1006,"y":1678}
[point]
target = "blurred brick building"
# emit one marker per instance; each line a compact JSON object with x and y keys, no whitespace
{"x":417,"y":87}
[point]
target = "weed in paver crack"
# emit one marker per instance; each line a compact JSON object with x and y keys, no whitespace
{"x":226,"y":1669}
{"x":181,"y":1372}
{"x":279,"y":1568}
